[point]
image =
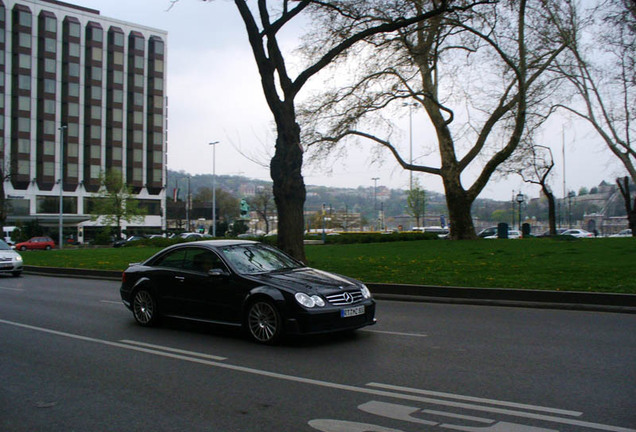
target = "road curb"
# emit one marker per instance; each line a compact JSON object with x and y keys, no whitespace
{"x":572,"y":300}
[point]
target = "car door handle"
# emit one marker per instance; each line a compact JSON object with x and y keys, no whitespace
{"x":179,"y":278}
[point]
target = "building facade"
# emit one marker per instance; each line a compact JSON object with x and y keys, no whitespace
{"x":81,"y":95}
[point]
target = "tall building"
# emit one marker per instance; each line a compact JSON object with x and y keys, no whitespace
{"x":81,"y":95}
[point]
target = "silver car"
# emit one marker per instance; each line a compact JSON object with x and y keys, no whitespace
{"x":10,"y":260}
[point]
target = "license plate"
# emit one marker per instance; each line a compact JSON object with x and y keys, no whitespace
{"x":346,"y":313}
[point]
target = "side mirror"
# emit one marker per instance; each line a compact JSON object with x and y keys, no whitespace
{"x":218,"y":273}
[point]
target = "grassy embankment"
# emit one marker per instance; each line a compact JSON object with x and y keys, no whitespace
{"x":604,"y":265}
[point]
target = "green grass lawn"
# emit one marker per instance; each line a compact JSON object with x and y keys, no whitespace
{"x":604,"y":265}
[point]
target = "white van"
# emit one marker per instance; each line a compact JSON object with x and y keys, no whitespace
{"x":6,"y":235}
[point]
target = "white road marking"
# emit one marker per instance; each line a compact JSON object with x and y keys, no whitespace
{"x":111,"y":302}
{"x":343,"y":387}
{"x":459,"y":416}
{"x":175,"y":350}
{"x":476,"y":399}
{"x":394,"y":333}
{"x":12,"y":289}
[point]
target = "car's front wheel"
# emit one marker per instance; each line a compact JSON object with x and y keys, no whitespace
{"x":264,"y":322}
{"x":23,"y":248}
{"x":144,"y":308}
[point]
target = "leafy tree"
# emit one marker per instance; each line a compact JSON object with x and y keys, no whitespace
{"x":114,"y":202}
{"x":479,"y":74}
{"x":416,"y":202}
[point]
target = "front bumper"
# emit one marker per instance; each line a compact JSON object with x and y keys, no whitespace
{"x":317,"y":321}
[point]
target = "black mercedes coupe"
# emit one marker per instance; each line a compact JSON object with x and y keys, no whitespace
{"x":245,"y":284}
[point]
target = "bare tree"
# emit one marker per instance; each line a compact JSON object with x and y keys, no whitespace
{"x":601,"y":70}
{"x":264,"y":22}
{"x":262,"y":205}
{"x":477,"y":74}
{"x":534,"y":163}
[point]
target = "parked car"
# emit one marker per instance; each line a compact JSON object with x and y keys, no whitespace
{"x":488,"y":232}
{"x":578,"y":233}
{"x":44,"y":243}
{"x":559,"y":231}
{"x":512,"y":234}
{"x":244,"y":284}
{"x":123,"y":242}
{"x":10,"y":260}
{"x":623,"y":233}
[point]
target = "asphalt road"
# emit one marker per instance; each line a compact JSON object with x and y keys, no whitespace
{"x":72,"y":359}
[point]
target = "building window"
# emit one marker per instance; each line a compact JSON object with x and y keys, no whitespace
{"x":50,"y":24}
{"x":137,"y":175}
{"x":96,"y":93}
{"x":24,"y":103}
{"x":24,"y":82}
{"x":49,"y":85}
{"x":24,"y":167}
{"x":137,"y":155}
{"x":118,"y":39}
{"x":24,"y":146}
{"x":96,"y":54}
{"x":24,"y":124}
{"x":96,"y":73}
{"x":72,"y":170}
{"x":96,"y":152}
{"x":73,"y":130}
{"x":96,"y":34}
{"x":48,"y":148}
{"x":118,"y":96}
{"x":96,"y":112}
{"x":118,"y":58}
{"x":73,"y":109}
{"x":48,"y":106}
{"x":48,"y":127}
{"x":74,"y":70}
{"x":96,"y":133}
{"x":158,"y":47}
{"x":24,"y":40}
{"x":24,"y":18}
{"x":72,"y":149}
{"x":117,"y":154}
{"x":139,"y":62}
{"x":158,"y":120}
{"x":138,"y":137}
{"x":117,"y":134}
{"x":50,"y":65}
{"x":50,"y":45}
{"x":74,"y":49}
{"x":95,"y":171}
{"x":24,"y":61}
{"x":48,"y":169}
{"x":118,"y":115}
{"x":138,"y":118}
{"x":74,"y":29}
{"x":73,"y":89}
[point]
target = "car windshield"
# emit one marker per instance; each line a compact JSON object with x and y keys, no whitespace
{"x":4,"y":246}
{"x":252,"y":259}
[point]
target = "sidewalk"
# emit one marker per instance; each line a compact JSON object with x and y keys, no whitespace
{"x":587,"y":301}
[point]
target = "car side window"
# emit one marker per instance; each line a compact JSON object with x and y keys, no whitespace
{"x":203,"y":261}
{"x":176,"y":260}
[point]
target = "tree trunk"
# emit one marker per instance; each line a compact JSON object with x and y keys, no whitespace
{"x":551,"y":209}
{"x":459,"y":210}
{"x":289,"y":186}
{"x":629,"y":208}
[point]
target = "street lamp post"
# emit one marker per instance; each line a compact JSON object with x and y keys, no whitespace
{"x":61,"y":219}
{"x":520,"y":199}
{"x":213,"y":144}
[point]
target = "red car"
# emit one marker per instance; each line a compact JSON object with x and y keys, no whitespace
{"x":45,"y":243}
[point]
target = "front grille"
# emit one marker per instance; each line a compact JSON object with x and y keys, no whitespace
{"x":345,"y":298}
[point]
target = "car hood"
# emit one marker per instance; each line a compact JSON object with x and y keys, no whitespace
{"x":309,"y":280}
{"x":8,"y":254}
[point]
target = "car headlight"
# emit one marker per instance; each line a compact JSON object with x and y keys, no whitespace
{"x":309,"y":301}
{"x":365,"y":292}
{"x":18,"y":258}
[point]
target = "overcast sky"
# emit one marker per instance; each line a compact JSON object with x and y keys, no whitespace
{"x":215,"y":95}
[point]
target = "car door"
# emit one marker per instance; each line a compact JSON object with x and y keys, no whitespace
{"x":213,"y":297}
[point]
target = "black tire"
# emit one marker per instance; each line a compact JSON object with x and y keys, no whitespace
{"x":144,"y":308}
{"x":47,"y":247}
{"x":23,"y":248}
{"x":264,"y":323}
{"x":16,"y":273}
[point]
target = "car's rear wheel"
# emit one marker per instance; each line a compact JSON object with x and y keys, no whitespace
{"x":16,"y":273}
{"x":48,"y":247}
{"x":264,"y":322}
{"x":144,"y":308}
{"x":23,"y":248}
